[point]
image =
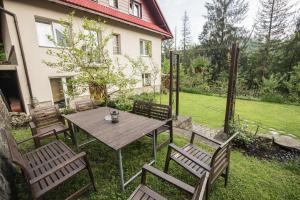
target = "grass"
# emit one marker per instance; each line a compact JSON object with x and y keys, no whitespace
{"x":250,"y":178}
{"x":210,"y":111}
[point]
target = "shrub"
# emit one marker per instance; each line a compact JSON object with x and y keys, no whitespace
{"x":273,"y":98}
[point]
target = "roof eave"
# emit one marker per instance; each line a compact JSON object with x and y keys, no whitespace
{"x":165,"y":35}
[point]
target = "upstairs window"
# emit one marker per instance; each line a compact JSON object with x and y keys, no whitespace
{"x":113,"y":3}
{"x":136,"y":9}
{"x":145,"y":48}
{"x":54,"y":30}
{"x":116,"y":44}
{"x":90,"y":45}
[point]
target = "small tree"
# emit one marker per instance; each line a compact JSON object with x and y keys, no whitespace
{"x":84,"y":52}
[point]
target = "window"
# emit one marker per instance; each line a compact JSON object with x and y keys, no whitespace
{"x":90,"y":46}
{"x":116,"y":44}
{"x":113,"y":3}
{"x":60,"y":88}
{"x":136,"y":9}
{"x":146,"y":79}
{"x":55,"y":31}
{"x":145,"y":48}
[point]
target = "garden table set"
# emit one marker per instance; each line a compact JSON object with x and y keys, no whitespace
{"x":130,"y":128}
{"x":50,"y":165}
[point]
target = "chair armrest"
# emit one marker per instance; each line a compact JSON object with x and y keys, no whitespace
{"x":58,"y":167}
{"x":185,"y":154}
{"x":207,"y":138}
{"x":166,"y":177}
{"x":32,"y":125}
{"x":38,"y":135}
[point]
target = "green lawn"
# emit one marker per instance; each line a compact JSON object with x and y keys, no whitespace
{"x":250,"y":178}
{"x":210,"y":111}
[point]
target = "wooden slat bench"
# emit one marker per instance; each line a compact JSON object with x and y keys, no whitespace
{"x":85,"y":104}
{"x":46,"y":121}
{"x":49,"y":166}
{"x":143,"y":192}
{"x":198,"y":162}
{"x":156,"y":111}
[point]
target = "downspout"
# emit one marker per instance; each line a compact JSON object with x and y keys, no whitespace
{"x":22,"y":51}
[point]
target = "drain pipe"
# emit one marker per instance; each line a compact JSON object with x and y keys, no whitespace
{"x":22,"y":51}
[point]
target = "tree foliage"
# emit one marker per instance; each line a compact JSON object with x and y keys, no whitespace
{"x":85,"y":54}
{"x":221,"y":29}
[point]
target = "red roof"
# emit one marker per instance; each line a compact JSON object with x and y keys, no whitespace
{"x":119,"y":15}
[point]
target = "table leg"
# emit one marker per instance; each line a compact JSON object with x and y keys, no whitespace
{"x":75,"y":136}
{"x":120,"y":160}
{"x":154,"y":145}
{"x":171,"y":131}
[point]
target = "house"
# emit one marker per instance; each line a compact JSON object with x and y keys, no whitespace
{"x":25,"y":25}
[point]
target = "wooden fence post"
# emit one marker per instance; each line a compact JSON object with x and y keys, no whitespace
{"x":229,"y":115}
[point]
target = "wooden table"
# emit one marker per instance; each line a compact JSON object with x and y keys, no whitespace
{"x":130,"y":128}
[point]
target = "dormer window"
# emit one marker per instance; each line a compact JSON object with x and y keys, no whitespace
{"x":136,"y":9}
{"x":113,"y":3}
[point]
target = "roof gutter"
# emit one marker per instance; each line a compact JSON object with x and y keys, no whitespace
{"x":21,"y":49}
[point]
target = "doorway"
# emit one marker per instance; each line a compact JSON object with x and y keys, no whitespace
{"x":9,"y":86}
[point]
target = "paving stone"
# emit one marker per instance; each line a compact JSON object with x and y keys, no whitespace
{"x":287,"y":142}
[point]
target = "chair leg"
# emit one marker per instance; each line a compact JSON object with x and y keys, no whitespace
{"x":226,"y":176}
{"x":37,"y":142}
{"x":207,"y":191}
{"x":167,"y":163}
{"x":90,"y":173}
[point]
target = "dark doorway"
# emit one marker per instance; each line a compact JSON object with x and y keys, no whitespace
{"x":9,"y":86}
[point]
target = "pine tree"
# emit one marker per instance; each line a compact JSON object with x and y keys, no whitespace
{"x":186,"y":41}
{"x":221,"y":30}
{"x":271,"y":27}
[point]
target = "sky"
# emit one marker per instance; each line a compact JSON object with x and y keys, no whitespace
{"x":173,"y":11}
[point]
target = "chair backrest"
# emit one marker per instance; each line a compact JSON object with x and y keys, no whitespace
{"x":15,"y":155}
{"x":220,"y":159}
{"x":45,"y":116}
{"x":141,"y":108}
{"x":160,"y":112}
{"x":201,"y":187}
{"x":83,"y":105}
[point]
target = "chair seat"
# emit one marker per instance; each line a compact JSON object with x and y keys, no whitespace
{"x":58,"y":127}
{"x":144,"y":193}
{"x":191,"y":166}
{"x":47,"y":157}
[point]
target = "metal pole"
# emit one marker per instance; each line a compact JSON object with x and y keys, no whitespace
{"x":177,"y":85}
{"x":154,"y":145}
{"x":171,"y":81}
{"x":121,"y":170}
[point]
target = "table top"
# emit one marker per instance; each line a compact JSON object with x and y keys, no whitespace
{"x":130,"y":128}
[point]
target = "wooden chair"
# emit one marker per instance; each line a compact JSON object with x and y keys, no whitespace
{"x":48,"y":167}
{"x":145,"y":193}
{"x":156,"y":111}
{"x":46,"y":121}
{"x":198,"y":162}
{"x":85,"y":104}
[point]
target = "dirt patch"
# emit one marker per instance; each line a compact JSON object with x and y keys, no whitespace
{"x":265,"y":149}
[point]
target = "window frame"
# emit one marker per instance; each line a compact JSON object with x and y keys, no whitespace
{"x":119,"y":52}
{"x":131,"y":9}
{"x":52,"y":23}
{"x":98,"y":40}
{"x":115,"y":2}
{"x":146,"y":79}
{"x":145,"y":53}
